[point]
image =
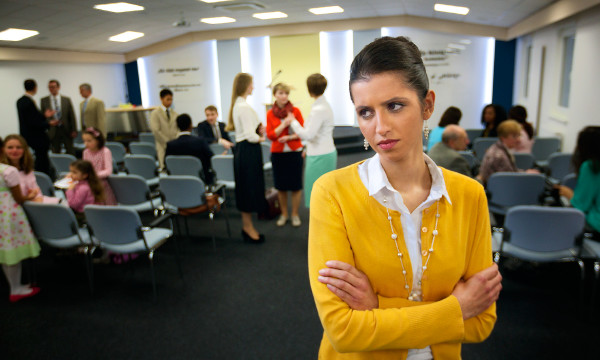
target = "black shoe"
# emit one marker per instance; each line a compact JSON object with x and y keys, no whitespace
{"x":247,"y":238}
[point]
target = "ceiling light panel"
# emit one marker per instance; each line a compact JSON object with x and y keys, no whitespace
{"x":326,"y":10}
{"x":213,"y":1}
{"x":270,"y":15}
{"x":119,"y":7}
{"x":217,"y":20}
{"x":460,"y":10}
{"x":126,"y":36}
{"x":17,"y":34}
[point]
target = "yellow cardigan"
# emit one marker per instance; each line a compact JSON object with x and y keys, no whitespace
{"x":347,"y":224}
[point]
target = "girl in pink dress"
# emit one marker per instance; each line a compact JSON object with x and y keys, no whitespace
{"x":101,"y":158}
{"x":16,"y":238}
{"x":17,"y":154}
{"x":86,"y":187}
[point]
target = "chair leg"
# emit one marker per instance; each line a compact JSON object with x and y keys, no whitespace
{"x":187,"y":228}
{"x":151,"y":258}
{"x":595,"y":287}
{"x":227,"y":222}
{"x":581,"y":284}
{"x":89,"y":266}
{"x":177,"y":257}
{"x":211,"y":216}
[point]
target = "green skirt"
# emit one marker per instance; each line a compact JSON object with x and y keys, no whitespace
{"x":315,"y":167}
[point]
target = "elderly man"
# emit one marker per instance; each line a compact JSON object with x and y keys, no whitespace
{"x":92,"y":110}
{"x":445,"y":153}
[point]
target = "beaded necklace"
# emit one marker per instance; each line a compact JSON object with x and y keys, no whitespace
{"x":413,"y":296}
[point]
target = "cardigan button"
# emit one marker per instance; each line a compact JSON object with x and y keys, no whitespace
{"x":424,"y":229}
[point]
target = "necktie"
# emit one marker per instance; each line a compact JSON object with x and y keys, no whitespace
{"x":82,"y":114}
{"x":216,"y":132}
{"x":168,"y":114}
{"x":57,"y":108}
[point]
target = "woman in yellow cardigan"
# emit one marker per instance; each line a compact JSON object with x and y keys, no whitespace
{"x":400,"y":259}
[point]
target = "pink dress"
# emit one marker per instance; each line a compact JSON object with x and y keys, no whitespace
{"x":103,"y":165}
{"x":16,"y":238}
{"x":28,"y":182}
{"x":80,"y":195}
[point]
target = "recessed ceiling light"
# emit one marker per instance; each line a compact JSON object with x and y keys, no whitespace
{"x":270,"y":15}
{"x":326,"y":10}
{"x":460,"y":10}
{"x":119,"y":7}
{"x":17,"y":34}
{"x":217,"y":20}
{"x":126,"y":36}
{"x":465,"y":41}
{"x":213,"y":1}
{"x":457,"y":46}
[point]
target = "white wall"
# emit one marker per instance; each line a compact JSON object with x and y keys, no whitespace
{"x":585,"y":78}
{"x":190,"y":71}
{"x":462,"y":79}
{"x":107,"y":80}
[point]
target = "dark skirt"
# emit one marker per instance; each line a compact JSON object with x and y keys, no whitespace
{"x":249,"y":177}
{"x":287,"y":170}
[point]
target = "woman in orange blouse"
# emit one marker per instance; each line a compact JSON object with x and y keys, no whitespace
{"x":286,"y":152}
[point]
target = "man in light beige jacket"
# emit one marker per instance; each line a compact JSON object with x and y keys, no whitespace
{"x":163,"y":124}
{"x":92,"y":110}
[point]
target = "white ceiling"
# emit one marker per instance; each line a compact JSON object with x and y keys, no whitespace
{"x":76,"y":25}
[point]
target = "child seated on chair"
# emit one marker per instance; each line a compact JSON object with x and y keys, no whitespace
{"x":85,"y":189}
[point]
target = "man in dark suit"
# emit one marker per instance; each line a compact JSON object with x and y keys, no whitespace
{"x":446,"y":153}
{"x":33,"y":125}
{"x":212,"y":130}
{"x":66,"y":128}
{"x":186,"y":144}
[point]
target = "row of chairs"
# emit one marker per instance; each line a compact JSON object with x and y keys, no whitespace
{"x":557,"y":166}
{"x":542,"y":148}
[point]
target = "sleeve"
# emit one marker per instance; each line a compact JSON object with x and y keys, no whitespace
{"x":159,"y":135}
{"x":351,"y":330}
{"x":224,"y":133}
{"x":315,"y":121}
{"x":271,"y":119}
{"x":30,"y":183}
{"x":11,"y":176}
{"x":32,"y":116}
{"x":77,"y":196}
{"x":584,"y":194}
{"x":101,"y":116}
{"x":107,"y":167}
{"x":248,"y":123}
{"x":478,"y":328}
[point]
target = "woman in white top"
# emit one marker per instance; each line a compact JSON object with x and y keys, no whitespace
{"x":247,"y":157}
{"x":321,"y":155}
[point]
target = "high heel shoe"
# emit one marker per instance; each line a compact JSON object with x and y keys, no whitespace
{"x":14,"y":298}
{"x":247,"y":238}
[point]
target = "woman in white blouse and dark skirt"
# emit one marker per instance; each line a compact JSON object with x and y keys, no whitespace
{"x":248,"y":165}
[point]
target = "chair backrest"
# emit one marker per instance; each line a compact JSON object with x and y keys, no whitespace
{"x":223,"y":166}
{"x":61,"y":162}
{"x":524,"y":161}
{"x":543,"y":228}
{"x":182,"y":191}
{"x":480,"y":145}
{"x":117,"y":150}
{"x":142,"y":165}
{"x":142,"y":148}
{"x":473,"y":134}
{"x":543,"y":147}
{"x":183,"y":165}
{"x":570,"y":181}
{"x":147,"y":137}
{"x":45,"y":183}
{"x":560,"y":165}
{"x":217,"y":148}
{"x":512,"y":188}
{"x":471,"y":159}
{"x":113,"y":224}
{"x":129,"y":189}
{"x":51,"y":221}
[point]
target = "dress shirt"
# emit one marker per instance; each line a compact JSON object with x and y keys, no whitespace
{"x":375,"y":180}
{"x":55,"y":105}
{"x":246,"y":121}
{"x":317,"y":132}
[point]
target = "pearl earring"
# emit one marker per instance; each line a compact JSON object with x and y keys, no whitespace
{"x":366,"y":144}
{"x":426,"y":130}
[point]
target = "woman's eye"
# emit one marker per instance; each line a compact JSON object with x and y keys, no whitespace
{"x":365,"y":113}
{"x":395,"y":106}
